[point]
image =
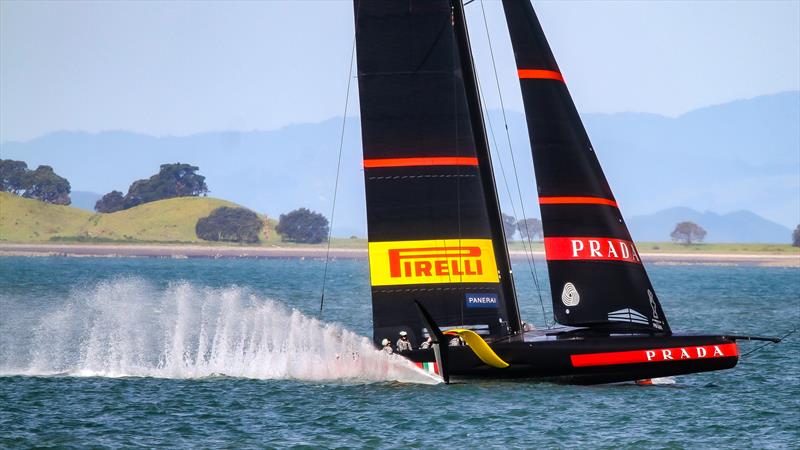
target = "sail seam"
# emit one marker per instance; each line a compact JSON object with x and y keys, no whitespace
{"x":403,"y":177}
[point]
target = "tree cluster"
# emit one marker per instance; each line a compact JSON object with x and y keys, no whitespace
{"x":230,"y":225}
{"x":688,"y":233}
{"x":303,"y":226}
{"x":172,"y":180}
{"x":40,"y":184}
{"x":796,"y":237}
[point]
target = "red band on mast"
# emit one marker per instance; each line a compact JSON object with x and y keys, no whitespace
{"x":577,"y":201}
{"x":540,"y":74}
{"x":424,"y":161}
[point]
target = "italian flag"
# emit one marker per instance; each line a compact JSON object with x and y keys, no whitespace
{"x":429,"y":367}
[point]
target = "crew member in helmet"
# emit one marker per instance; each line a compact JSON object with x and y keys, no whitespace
{"x":403,"y":344}
{"x":387,"y":345}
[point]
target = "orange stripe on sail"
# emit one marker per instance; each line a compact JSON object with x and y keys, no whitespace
{"x":424,"y":161}
{"x":577,"y":201}
{"x":540,"y":74}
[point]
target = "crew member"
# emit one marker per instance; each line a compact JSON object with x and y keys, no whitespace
{"x":403,"y":344}
{"x":387,"y":345}
{"x":427,"y":344}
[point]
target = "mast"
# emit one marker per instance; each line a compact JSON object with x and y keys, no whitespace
{"x":485,"y":165}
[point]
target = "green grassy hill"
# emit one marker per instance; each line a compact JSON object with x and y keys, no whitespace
{"x":173,"y":220}
{"x":26,"y":220}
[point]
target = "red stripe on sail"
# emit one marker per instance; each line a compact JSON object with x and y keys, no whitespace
{"x":577,"y":201}
{"x":590,"y":249}
{"x":540,"y":74}
{"x":655,"y":355}
{"x":424,"y":161}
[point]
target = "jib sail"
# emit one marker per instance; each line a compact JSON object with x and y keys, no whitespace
{"x":433,"y":220}
{"x":596,"y":275}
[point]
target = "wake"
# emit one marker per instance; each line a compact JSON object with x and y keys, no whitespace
{"x":127,"y":328}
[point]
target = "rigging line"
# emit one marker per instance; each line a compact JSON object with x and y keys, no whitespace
{"x":338,"y":167}
{"x":514,"y":164}
{"x":528,"y":255}
{"x":768,"y":343}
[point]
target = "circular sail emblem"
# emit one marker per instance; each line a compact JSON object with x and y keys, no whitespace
{"x":570,"y":296}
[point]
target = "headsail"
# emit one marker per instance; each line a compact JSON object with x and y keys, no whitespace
{"x":432,"y":236}
{"x":596,"y":275}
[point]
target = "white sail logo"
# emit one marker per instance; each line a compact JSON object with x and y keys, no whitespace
{"x":570,"y":296}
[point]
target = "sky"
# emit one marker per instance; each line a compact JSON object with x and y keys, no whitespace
{"x":178,"y":68}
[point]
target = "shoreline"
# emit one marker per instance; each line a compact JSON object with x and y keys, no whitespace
{"x":201,"y":251}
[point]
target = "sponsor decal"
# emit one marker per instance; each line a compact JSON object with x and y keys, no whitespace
{"x":590,"y":249}
{"x":655,"y":355}
{"x":570,"y":296}
{"x":656,"y":321}
{"x":429,"y":367}
{"x":628,"y":315}
{"x":481,"y":300}
{"x":432,"y":261}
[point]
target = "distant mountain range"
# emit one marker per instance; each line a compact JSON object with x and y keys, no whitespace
{"x":738,"y":226}
{"x":743,"y":155}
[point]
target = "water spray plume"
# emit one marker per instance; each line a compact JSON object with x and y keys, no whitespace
{"x":128,"y":328}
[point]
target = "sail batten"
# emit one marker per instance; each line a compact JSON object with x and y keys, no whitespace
{"x":594,"y":267}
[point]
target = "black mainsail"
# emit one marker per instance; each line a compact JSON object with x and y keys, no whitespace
{"x":432,"y":212}
{"x":596,"y":276}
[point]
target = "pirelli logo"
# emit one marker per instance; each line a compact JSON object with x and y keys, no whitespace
{"x":432,"y":262}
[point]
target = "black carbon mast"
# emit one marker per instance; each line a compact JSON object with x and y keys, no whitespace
{"x":485,"y":160}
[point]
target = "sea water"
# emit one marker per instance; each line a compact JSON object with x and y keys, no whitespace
{"x":235,"y":353}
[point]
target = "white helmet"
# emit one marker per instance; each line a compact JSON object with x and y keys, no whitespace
{"x":385,"y":342}
{"x":403,"y":333}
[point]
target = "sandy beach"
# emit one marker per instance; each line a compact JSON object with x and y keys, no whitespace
{"x":201,"y":251}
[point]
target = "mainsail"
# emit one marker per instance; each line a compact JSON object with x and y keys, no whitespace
{"x":432,"y":212}
{"x":596,"y":276}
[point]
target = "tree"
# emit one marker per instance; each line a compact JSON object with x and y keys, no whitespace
{"x":45,"y":185}
{"x":172,"y":180}
{"x":509,"y":226}
{"x":530,"y":228}
{"x":796,"y":237}
{"x":304,"y":226}
{"x":12,"y":176}
{"x":688,"y":232}
{"x":229,"y":224}
{"x":111,"y":202}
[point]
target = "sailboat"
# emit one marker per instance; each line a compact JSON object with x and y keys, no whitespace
{"x":439,"y":263}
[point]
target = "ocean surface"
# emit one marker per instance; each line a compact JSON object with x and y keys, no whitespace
{"x":121,"y":352}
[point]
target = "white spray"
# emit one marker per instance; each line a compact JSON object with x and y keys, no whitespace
{"x":128,"y":328}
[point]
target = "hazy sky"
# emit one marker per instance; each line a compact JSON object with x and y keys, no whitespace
{"x":185,"y":67}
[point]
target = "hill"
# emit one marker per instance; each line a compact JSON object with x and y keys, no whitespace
{"x":26,"y":220}
{"x":171,"y":220}
{"x":729,"y":157}
{"x":735,"y":227}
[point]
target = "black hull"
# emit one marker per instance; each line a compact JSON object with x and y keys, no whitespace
{"x":569,"y":357}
